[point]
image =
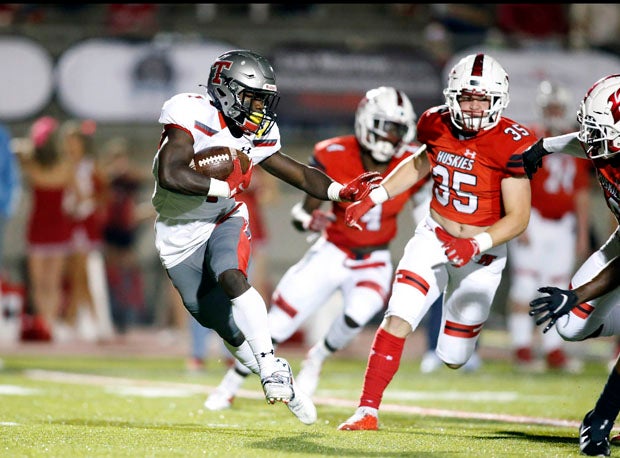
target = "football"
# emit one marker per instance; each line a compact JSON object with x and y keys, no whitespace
{"x":217,"y":161}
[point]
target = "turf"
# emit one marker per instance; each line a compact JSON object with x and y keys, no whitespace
{"x":54,"y":406}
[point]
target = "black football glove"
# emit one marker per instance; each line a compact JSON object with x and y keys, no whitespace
{"x":532,"y":158}
{"x":559,"y":302}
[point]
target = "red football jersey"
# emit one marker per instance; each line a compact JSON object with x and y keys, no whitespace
{"x":555,"y":183}
{"x":340,"y":158}
{"x":467,"y":172}
{"x":608,"y":173}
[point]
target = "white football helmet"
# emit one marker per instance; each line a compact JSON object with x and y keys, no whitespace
{"x":477,"y":75}
{"x":599,"y":118}
{"x":384,"y":121}
{"x":239,"y":78}
{"x":554,"y":102}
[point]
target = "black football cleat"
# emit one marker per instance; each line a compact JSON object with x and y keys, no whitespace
{"x":594,"y":435}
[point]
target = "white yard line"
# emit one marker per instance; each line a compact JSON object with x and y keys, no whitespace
{"x":100,"y":380}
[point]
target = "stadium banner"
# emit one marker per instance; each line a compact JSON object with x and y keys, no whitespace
{"x":26,"y":79}
{"x":323,"y":84}
{"x":576,"y":70}
{"x":122,"y":81}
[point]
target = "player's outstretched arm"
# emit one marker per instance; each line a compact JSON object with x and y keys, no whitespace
{"x":315,"y":182}
{"x":559,"y":302}
{"x":567,"y":143}
{"x":405,"y":175}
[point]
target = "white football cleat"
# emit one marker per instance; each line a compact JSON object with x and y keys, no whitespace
{"x":279,"y":385}
{"x":219,"y":400}
{"x":308,"y":378}
{"x":223,"y":396}
{"x":302,"y":407}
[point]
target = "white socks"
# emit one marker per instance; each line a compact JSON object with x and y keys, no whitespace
{"x":245,"y":361}
{"x":250,"y":314}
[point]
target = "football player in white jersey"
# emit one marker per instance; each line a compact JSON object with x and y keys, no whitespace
{"x":590,"y":307}
{"x":341,"y":259}
{"x":201,"y":231}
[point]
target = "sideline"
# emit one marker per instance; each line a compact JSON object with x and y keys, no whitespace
{"x":100,"y":380}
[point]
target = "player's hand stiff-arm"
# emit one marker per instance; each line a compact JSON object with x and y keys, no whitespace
{"x":358,"y":188}
{"x":559,"y":302}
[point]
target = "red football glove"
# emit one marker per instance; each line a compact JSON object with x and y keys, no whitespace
{"x":359,"y":187}
{"x":356,"y":210}
{"x":459,"y":251}
{"x":237,"y":180}
{"x":320,"y":220}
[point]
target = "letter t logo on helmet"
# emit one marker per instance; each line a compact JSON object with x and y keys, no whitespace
{"x":217,"y":73}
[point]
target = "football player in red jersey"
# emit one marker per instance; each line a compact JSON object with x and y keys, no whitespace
{"x":356,"y":263}
{"x":202,"y":233}
{"x":480,"y":200}
{"x":590,"y":307}
{"x":558,"y":228}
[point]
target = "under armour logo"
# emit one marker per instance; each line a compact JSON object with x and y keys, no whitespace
{"x":263,"y":355}
{"x":470,"y":154}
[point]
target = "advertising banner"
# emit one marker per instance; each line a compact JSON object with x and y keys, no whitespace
{"x":119,"y":81}
{"x":323,"y":84}
{"x":26,"y":79}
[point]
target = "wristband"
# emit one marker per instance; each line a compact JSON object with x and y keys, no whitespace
{"x":218,"y":188}
{"x":484,"y":241}
{"x":302,"y":216}
{"x":379,"y":195}
{"x":333,"y":191}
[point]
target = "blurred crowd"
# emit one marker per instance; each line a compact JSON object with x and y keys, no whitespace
{"x":82,"y":277}
{"x":446,"y":27}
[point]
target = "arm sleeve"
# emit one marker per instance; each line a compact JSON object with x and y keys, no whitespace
{"x":567,"y":143}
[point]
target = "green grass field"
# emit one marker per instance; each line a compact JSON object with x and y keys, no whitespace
{"x":54,"y":406}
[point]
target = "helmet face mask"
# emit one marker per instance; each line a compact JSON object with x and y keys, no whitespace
{"x":599,"y":119}
{"x":384,"y":121}
{"x":243,"y":87}
{"x":477,"y":75}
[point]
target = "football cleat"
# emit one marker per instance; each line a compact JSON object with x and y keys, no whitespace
{"x":308,"y":378}
{"x":594,"y":435}
{"x":430,"y":362}
{"x":223,"y":396}
{"x":302,"y":407}
{"x":364,"y":419}
{"x":219,"y":400}
{"x":279,"y":385}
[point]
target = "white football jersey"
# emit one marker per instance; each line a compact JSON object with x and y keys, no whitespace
{"x":180,"y":226}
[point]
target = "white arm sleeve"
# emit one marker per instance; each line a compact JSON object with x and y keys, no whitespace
{"x":567,"y":143}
